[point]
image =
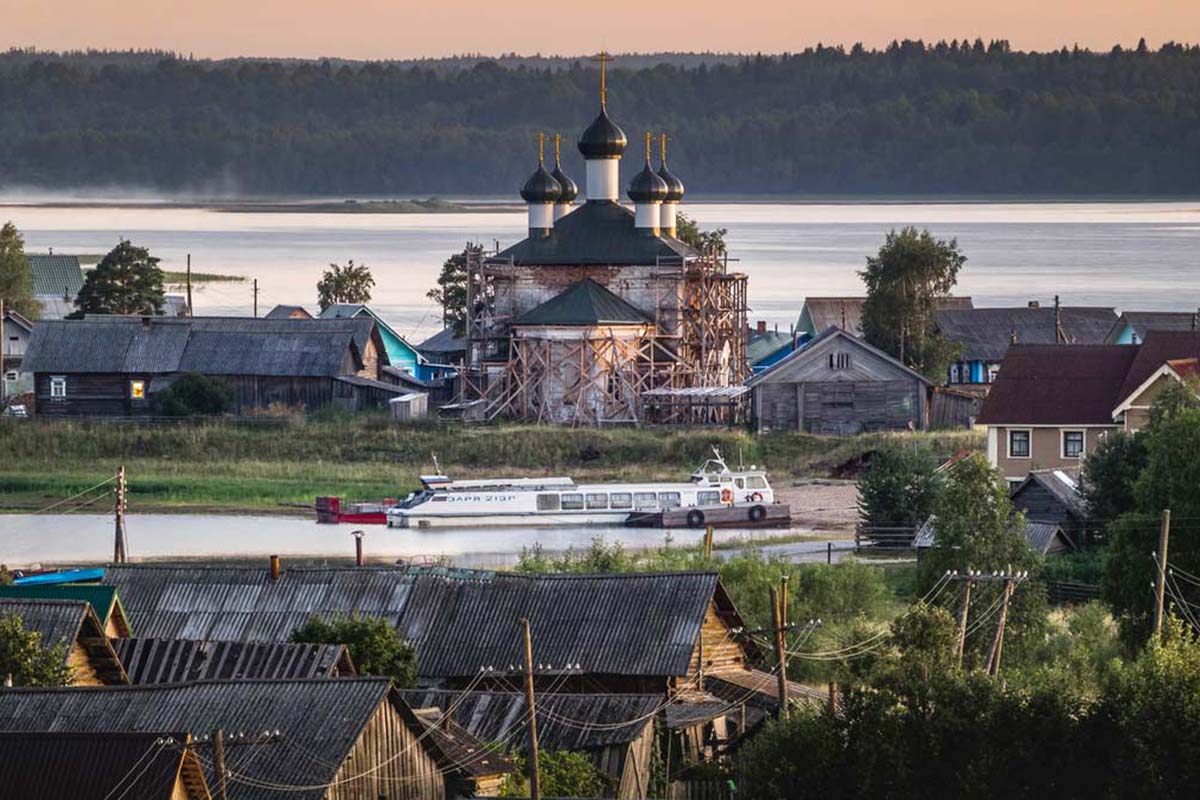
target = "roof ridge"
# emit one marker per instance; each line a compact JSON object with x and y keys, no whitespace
{"x":349,"y":680}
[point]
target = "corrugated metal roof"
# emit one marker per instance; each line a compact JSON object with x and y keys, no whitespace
{"x":1039,"y":535}
{"x":55,"y":275}
{"x":986,"y":333}
{"x":585,"y":303}
{"x":565,"y":721}
{"x":599,"y":233}
{"x":322,"y":717}
{"x":762,"y":345}
{"x":56,"y":620}
{"x":151,"y":661}
{"x":212,"y":345}
{"x":458,"y":748}
{"x":103,"y":599}
{"x":634,"y":624}
{"x":94,"y":766}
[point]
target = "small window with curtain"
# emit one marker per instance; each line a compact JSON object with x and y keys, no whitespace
{"x":1018,"y":444}
{"x":1072,"y":444}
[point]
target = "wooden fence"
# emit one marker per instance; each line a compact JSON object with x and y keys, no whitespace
{"x":1068,"y":592}
{"x":884,"y":537}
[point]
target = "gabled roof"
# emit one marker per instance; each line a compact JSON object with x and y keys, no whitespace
{"x":149,"y":661}
{"x":323,"y":717}
{"x":1063,"y":487}
{"x":358,"y":311}
{"x":814,"y":347}
{"x":986,"y":333}
{"x":585,"y":303}
{"x":821,"y":313}
{"x":596,"y":233}
{"x":68,"y":622}
{"x":94,"y":766}
{"x":55,"y":275}
{"x":212,"y":345}
{"x":447,"y":340}
{"x":103,"y":599}
{"x":1142,"y":322}
{"x":458,"y":622}
{"x":1158,"y":348}
{"x":1043,"y":537}
{"x":288,"y":312}
{"x":20,"y":320}
{"x":457,"y":748}
{"x":1048,"y":384}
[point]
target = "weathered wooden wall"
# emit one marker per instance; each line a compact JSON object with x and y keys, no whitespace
{"x":399,"y":766}
{"x":717,"y":650}
{"x":951,"y":409}
{"x":841,"y":407}
{"x":82,"y":671}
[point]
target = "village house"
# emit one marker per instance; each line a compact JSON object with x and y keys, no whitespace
{"x":15,"y":331}
{"x":104,"y":600}
{"x":69,"y":765}
{"x":340,"y":739}
{"x":1044,"y":538}
{"x":57,"y":280}
{"x":819,"y":314}
{"x":401,"y":355}
{"x":839,"y":384}
{"x":115,"y":366}
{"x":1052,"y":496}
{"x":985,"y":334}
{"x":1132,"y":326}
{"x":447,"y":346}
{"x":766,"y":347}
{"x":72,"y":624}
{"x":1051,"y":404}
{"x":151,"y":661}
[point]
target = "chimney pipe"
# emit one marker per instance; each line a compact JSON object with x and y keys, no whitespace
{"x":274,"y":569}
{"x":762,"y":326}
{"x":358,"y":547}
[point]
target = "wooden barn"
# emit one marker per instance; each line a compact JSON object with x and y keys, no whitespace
{"x":68,"y":765}
{"x":115,"y":366}
{"x":72,"y":623}
{"x":151,"y":661}
{"x":305,"y":739}
{"x":839,"y":384}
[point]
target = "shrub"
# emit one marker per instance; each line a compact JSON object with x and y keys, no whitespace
{"x":375,"y":647}
{"x":192,"y":393}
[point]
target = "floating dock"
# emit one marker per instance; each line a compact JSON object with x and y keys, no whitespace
{"x":764,"y":515}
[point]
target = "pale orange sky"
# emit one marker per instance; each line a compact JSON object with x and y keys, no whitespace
{"x":406,"y":29}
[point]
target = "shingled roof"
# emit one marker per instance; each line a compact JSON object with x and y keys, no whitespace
{"x":643,"y":624}
{"x":211,"y":345}
{"x":1048,"y":384}
{"x":323,"y":717}
{"x":599,"y":233}
{"x":55,"y":275}
{"x":99,"y":766}
{"x":150,"y":661}
{"x":585,"y":303}
{"x":985,"y":334}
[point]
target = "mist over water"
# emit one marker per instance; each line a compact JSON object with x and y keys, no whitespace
{"x":1131,"y":255}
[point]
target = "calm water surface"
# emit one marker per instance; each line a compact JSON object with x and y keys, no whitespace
{"x":1128,"y":255}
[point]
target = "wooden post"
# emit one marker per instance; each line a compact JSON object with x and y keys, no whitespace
{"x":189,"y":286}
{"x":358,"y":547}
{"x":963,"y":611}
{"x":997,"y":648}
{"x":219,"y":764}
{"x":776,"y":618}
{"x":708,"y":541}
{"x":833,"y":697}
{"x":1164,"y":534}
{"x":829,"y":553}
{"x":256,"y":297}
{"x":535,"y":775}
{"x":119,"y":518}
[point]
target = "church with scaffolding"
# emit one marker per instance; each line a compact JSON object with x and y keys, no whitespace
{"x":601,"y":315}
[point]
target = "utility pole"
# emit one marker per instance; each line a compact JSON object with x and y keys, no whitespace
{"x":1060,"y":336}
{"x":256,"y":297}
{"x":119,"y":519}
{"x":780,"y":654}
{"x":1164,"y":534}
{"x":997,"y":647}
{"x":219,"y":763}
{"x":535,"y":775}
{"x":963,"y":611}
{"x":189,"y":285}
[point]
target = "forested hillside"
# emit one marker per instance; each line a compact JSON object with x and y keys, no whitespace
{"x":950,"y":118}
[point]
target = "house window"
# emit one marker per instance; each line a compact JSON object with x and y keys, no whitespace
{"x":954,"y":373}
{"x":839,"y":361}
{"x":1072,"y":444}
{"x":992,"y":371}
{"x":58,"y":386}
{"x":1018,"y":444}
{"x":137,"y":390}
{"x":10,"y":376}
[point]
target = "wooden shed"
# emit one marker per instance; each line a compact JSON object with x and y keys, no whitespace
{"x":89,"y":653}
{"x":409,"y":406}
{"x":839,"y":384}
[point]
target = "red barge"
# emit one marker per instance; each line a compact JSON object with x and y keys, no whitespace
{"x":333,"y":510}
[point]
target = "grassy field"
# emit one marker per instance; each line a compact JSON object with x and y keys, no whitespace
{"x":218,"y":466}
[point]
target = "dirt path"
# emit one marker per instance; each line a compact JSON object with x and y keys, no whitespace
{"x":828,"y":506}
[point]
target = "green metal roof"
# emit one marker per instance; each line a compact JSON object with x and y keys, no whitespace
{"x":56,"y":275}
{"x":103,"y":599}
{"x":585,"y":303}
{"x":763,"y":345}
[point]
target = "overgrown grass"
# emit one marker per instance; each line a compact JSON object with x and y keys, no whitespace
{"x":218,"y":464}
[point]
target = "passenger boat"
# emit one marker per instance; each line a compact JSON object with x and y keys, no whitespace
{"x":443,"y":502}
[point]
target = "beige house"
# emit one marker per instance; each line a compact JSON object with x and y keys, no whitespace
{"x":1052,"y":404}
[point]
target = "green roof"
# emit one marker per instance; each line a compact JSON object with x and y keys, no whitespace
{"x":585,"y":303}
{"x":103,"y":599}
{"x":764,"y":345}
{"x":58,"y":276}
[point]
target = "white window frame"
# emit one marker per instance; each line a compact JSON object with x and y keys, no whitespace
{"x":1062,"y":443}
{"x":1009,"y":437}
{"x":58,"y":387}
{"x":12,"y":375}
{"x":991,"y":372}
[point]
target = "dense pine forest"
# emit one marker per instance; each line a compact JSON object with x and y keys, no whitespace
{"x":954,"y":118}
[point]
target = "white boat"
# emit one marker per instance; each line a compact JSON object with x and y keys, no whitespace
{"x":443,"y":502}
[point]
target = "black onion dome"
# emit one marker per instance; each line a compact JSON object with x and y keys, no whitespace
{"x":541,"y":187}
{"x":603,"y":138}
{"x":647,"y":187}
{"x":569,"y":190}
{"x":674,"y":185}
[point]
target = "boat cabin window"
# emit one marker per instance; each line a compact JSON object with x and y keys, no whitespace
{"x":547,"y":502}
{"x":645,"y":501}
{"x":739,"y":483}
{"x":597,"y":501}
{"x":668,"y":500}
{"x":572,"y":502}
{"x":726,"y":479}
{"x":708,"y":498}
{"x":621,"y":500}
{"x":756,"y":482}
{"x":438,"y":498}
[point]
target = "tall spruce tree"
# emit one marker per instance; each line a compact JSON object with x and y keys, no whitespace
{"x":126,"y":281}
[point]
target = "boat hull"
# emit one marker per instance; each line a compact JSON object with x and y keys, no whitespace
{"x":515,"y":520}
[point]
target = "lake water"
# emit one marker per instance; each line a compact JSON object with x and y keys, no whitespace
{"x":27,"y":540}
{"x":1132,"y":255}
